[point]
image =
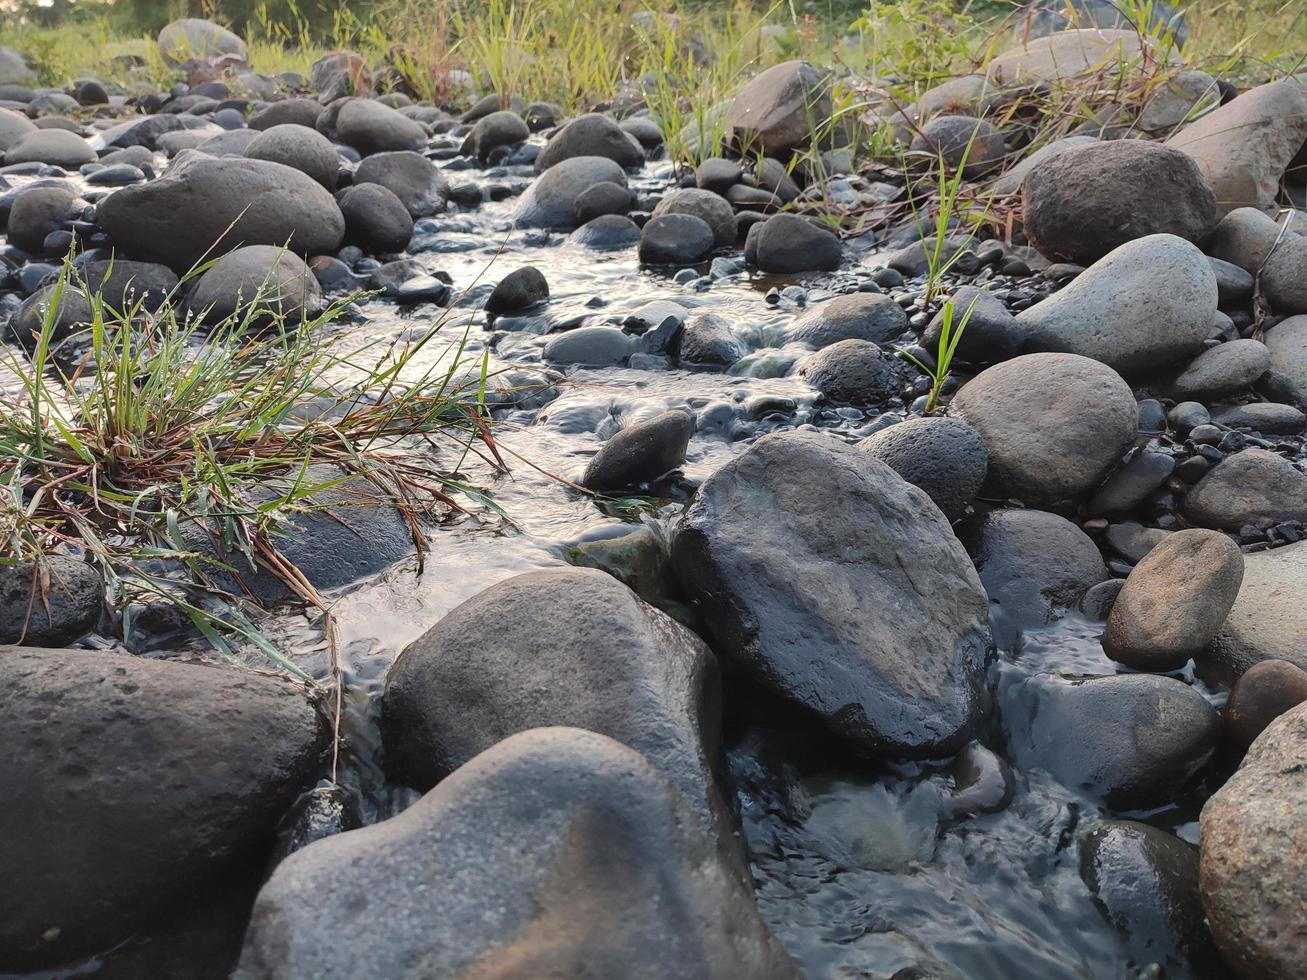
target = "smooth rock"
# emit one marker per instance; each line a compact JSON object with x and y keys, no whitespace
{"x":788,"y":243}
{"x":520,"y":290}
{"x":411,"y":177}
{"x":1287,"y":344}
{"x":36,"y":213}
{"x":1268,"y":620}
{"x":264,"y":277}
{"x":1284,"y":276}
{"x":1267,"y":418}
{"x":305,"y":149}
{"x":193,"y":39}
{"x":376,"y":220}
{"x":707,"y":340}
{"x":712,"y":208}
{"x":640,"y":453}
{"x":57,"y":147}
{"x":990,"y":333}
{"x":975,"y":146}
{"x":1131,"y":484}
{"x":588,"y":136}
{"x":1250,"y":486}
{"x":594,"y":346}
{"x":776,"y":111}
{"x":675,"y":239}
{"x":1065,"y":55}
{"x":1220,"y":371}
{"x":943,"y":456}
{"x":371,"y":127}
{"x":872,"y":317}
{"x":550,"y":201}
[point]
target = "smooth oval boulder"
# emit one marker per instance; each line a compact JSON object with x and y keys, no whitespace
{"x":375,"y":219}
{"x":371,"y":127}
{"x":194,"y":39}
{"x":990,"y":333}
{"x":854,"y":316}
{"x":1145,"y":305}
{"x":712,"y":208}
{"x":787,"y":243}
{"x":305,"y":149}
{"x":411,"y":177}
{"x":178,"y":218}
{"x":36,"y":213}
{"x":1174,"y":601}
{"x":675,"y":239}
{"x":1221,"y":371}
{"x":591,"y":135}
{"x":1080,"y":205}
{"x":776,"y":111}
{"x":1268,"y":620}
{"x":1086,"y":420}
{"x":1253,"y":866}
{"x":639,"y":454}
{"x":265,"y":277}
{"x":708,"y":340}
{"x":541,"y":847}
{"x":593,"y":346}
{"x":520,"y":290}
{"x":550,"y":201}
{"x":1251,"y":486}
{"x":1266,"y":690}
{"x":56,"y":147}
{"x":149,"y":780}
{"x":900,"y":676}
{"x":569,"y":646}
{"x":943,"y":456}
{"x":852,"y":372}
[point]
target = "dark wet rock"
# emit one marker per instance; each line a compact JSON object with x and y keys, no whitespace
{"x":1187,"y":416}
{"x":982,"y":782}
{"x":36,"y":213}
{"x":560,"y":647}
{"x":607,"y":232}
{"x":645,"y":130}
{"x":1269,"y":618}
{"x":550,"y":201}
{"x":1221,"y":371}
{"x":1132,"y":739}
{"x":503,"y":128}
{"x":717,"y":175}
{"x":89,"y":92}
{"x":193,"y":39}
{"x":639,"y":454}
{"x":593,"y":346}
{"x":50,"y":604}
{"x":1265,"y":691}
{"x":1145,"y":305}
{"x":271,"y":277}
{"x":788,"y":243}
{"x":673,"y":239}
{"x":296,"y":146}
{"x":591,"y":135}
{"x":991,"y":333}
{"x":1131,"y":484}
{"x":1268,"y":418}
{"x":1250,"y":486}
{"x":1234,"y":285}
{"x":499,"y":832}
{"x":520,"y":290}
{"x":118,"y":176}
{"x":776,"y":112}
{"x":371,"y":127}
{"x":601,"y":199}
{"x":389,"y":276}
{"x":57,"y":147}
{"x":1083,"y":204}
{"x":143,"y":131}
{"x":898,"y":677}
{"x":1087,"y":418}
{"x":1032,"y":564}
{"x":288,"y":112}
{"x":332,"y":274}
{"x":1253,"y":867}
{"x":911,"y":260}
{"x":411,"y":177}
{"x":73,"y":313}
{"x":974,"y":145}
{"x":493,"y":103}
{"x":179,"y":217}
{"x":854,"y":316}
{"x":1145,"y":881}
{"x":943,"y":456}
{"x":1132,"y":541}
{"x":13,"y":125}
{"x":149,"y":781}
{"x":375,"y":219}
{"x":854,"y":372}
{"x":122,"y":282}
{"x":713,"y":209}
{"x":1174,"y":601}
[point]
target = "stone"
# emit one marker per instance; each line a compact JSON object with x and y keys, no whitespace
{"x":56,"y":147}
{"x":339,"y":74}
{"x":712,"y":208}
{"x":1145,"y":881}
{"x":14,"y":69}
{"x":640,"y":454}
{"x":645,"y":130}
{"x":36,"y":213}
{"x":1287,"y":344}
{"x":1087,"y":420}
{"x":1253,"y":868}
{"x":1266,"y":690}
{"x":1009,"y":182}
{"x":550,"y":201}
{"x":1250,"y":486}
{"x":593,"y":346}
{"x":1174,"y":601}
{"x":1131,"y":484}
{"x":1284,"y":276}
{"x":179,"y":774}
{"x":1221,"y":371}
{"x":1047,"y":17}
{"x":1065,"y":55}
{"x":707,"y":340}
{"x":601,"y":199}
{"x":1245,"y":237}
{"x":1032,"y":565}
{"x":502,"y":128}
{"x":942,"y":456}
{"x":234,"y":143}
{"x":193,"y":39}
{"x":411,"y":177}
{"x":1245,"y":146}
{"x":1268,"y":620}
{"x":570,"y":647}
{"x":1132,"y":541}
{"x":675,"y":239}
{"x":122,"y":282}
{"x":13,"y":125}
{"x":591,"y":135}
{"x":853,"y":372}
{"x":1132,"y":740}
{"x":288,"y":112}
{"x":1178,"y":99}
{"x":518,"y":291}
{"x":990,"y":333}
{"x":1080,"y":205}
{"x":975,"y":146}
{"x":606,"y":233}
{"x":49,"y":603}
{"x":263,"y":276}
{"x":1234,"y":286}
{"x":375,"y":219}
{"x":715,"y":174}
{"x":295,"y":146}
{"x":777,"y":111}
{"x":898,"y":677}
{"x":788,"y":243}
{"x":1267,"y":418}
{"x":186,"y":213}
{"x":871,"y":317}
{"x":371,"y":127}
{"x":72,"y":314}
{"x":498,"y":834}
{"x":1147,"y":304}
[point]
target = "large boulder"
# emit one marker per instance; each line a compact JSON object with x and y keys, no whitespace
{"x":1251,"y":486}
{"x":591,"y":135}
{"x":1253,"y":866}
{"x":12,"y":126}
{"x":133,"y":785}
{"x":1082,"y":204}
{"x":1269,"y":619}
{"x":1045,"y":17}
{"x":14,"y":69}
{"x":787,"y":243}
{"x":338,"y":74}
{"x":1245,"y":146}
{"x":900,"y":676}
{"x":1053,"y":424}
{"x":550,"y":201}
{"x":410,"y":176}
{"x":186,"y":213}
{"x":122,"y":283}
{"x":973,"y":146}
{"x":943,"y":456}
{"x":1147,"y":304}
{"x":193,"y":39}
{"x":299,"y":147}
{"x":560,"y":647}
{"x":57,"y":147}
{"x":287,"y":112}
{"x":1246,"y":237}
{"x":1284,"y":276}
{"x":780,"y":110}
{"x":853,"y":372}
{"x":1220,"y":371}
{"x":265,"y":277}
{"x":371,"y":127}
{"x":49,"y":603}
{"x":1066,"y":55}
{"x":558,"y":852}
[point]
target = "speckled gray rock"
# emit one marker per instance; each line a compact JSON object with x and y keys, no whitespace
{"x":990,"y":333}
{"x":149,"y":780}
{"x":1284,"y":276}
{"x":1174,"y":601}
{"x":943,"y":456}
{"x":542,"y":845}
{"x":1086,"y":416}
{"x":1146,"y":305}
{"x":550,"y":201}
{"x":712,"y":208}
{"x":640,"y":453}
{"x":591,"y":135}
{"x":1287,"y":343}
{"x":975,"y":145}
{"x":49,"y":605}
{"x":1253,"y":867}
{"x":900,"y":676}
{"x":1250,"y":486}
{"x":305,"y":149}
{"x":411,"y":177}
{"x":1268,"y":620}
{"x":707,"y":340}
{"x":854,"y":372}
{"x":853,"y":316}
{"x":1245,"y":237}
{"x":1220,"y":371}
{"x":272,"y":277}
{"x":1265,"y":418}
